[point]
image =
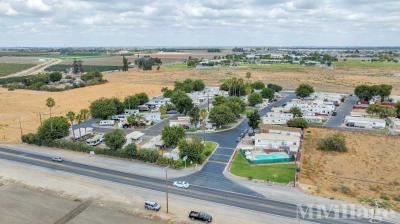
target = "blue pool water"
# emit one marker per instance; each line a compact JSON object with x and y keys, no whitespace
{"x":272,"y":156}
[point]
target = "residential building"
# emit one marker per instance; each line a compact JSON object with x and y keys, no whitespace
{"x":277,"y":141}
{"x":315,"y":119}
{"x":277,"y":118}
{"x":394,"y":125}
{"x":157,"y":101}
{"x":134,"y":137}
{"x":365,"y":122}
{"x":183,"y":121}
{"x":311,"y":107}
{"x":153,"y":116}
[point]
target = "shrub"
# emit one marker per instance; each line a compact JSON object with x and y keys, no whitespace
{"x":275,"y":87}
{"x":345,"y":190}
{"x":130,"y":150}
{"x":298,"y":123}
{"x":176,"y":164}
{"x":258,"y":85}
{"x":335,"y":142}
{"x":55,"y":76}
{"x":31,"y":138}
{"x":193,"y":149}
{"x":148,"y":155}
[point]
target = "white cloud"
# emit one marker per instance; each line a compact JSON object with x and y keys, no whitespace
{"x":6,"y":9}
{"x":38,"y":5}
{"x":208,"y":22}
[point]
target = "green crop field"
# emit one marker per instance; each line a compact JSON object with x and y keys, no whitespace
{"x":86,"y":68}
{"x":279,"y":172}
{"x":360,"y":63}
{"x":10,"y":68}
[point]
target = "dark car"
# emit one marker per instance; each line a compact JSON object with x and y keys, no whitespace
{"x":201,"y":216}
{"x":334,"y":113}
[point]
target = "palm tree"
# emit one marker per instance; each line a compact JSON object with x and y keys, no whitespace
{"x":71,"y":117}
{"x":82,"y":116}
{"x":50,"y":103}
{"x":203,"y":115}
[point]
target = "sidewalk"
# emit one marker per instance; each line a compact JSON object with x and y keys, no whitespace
{"x":123,"y":165}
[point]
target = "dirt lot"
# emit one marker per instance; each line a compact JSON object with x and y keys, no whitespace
{"x":25,"y":104}
{"x":20,"y":60}
{"x":369,"y":169}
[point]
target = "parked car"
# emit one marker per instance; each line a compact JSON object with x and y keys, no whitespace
{"x":151,"y":205}
{"x":57,"y":159}
{"x":172,"y":112}
{"x":181,"y":184}
{"x":238,"y":139}
{"x":334,"y":113}
{"x":242,"y":134}
{"x":201,"y":216}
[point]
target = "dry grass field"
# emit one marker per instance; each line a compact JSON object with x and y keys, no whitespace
{"x":370,"y":169}
{"x":26,"y":104}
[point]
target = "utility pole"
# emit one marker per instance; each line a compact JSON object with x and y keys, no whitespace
{"x":40,"y":118}
{"x":166,"y":186}
{"x":20,"y":127}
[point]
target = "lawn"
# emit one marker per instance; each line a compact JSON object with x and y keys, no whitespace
{"x":209,"y":148}
{"x":360,"y":63}
{"x":10,"y":68}
{"x":175,"y":67}
{"x":280,"y":173}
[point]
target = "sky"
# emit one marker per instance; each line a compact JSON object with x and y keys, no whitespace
{"x":197,"y":23}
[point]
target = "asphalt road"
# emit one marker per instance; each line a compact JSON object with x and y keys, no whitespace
{"x":223,"y":197}
{"x":342,"y":111}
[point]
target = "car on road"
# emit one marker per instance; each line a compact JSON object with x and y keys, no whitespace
{"x":151,"y":205}
{"x":57,"y":159}
{"x":334,"y":113}
{"x":181,"y":184}
{"x":201,"y":216}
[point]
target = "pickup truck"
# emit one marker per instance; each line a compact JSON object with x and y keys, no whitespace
{"x":201,"y":216}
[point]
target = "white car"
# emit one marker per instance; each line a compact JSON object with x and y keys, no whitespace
{"x":57,"y":159}
{"x":181,"y":184}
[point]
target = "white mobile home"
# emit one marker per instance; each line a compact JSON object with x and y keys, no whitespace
{"x":130,"y":112}
{"x":311,"y":107}
{"x":365,"y":122}
{"x":180,"y":121}
{"x":152,"y":116}
{"x":157,"y":101}
{"x":394,"y":125}
{"x":82,"y":133}
{"x":95,"y":140}
{"x":315,"y":119}
{"x":134,"y":137}
{"x":107,"y":122}
{"x":276,"y":141}
{"x":277,"y":118}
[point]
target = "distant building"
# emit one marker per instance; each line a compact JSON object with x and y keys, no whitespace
{"x":277,"y":118}
{"x":365,"y":122}
{"x":277,"y":141}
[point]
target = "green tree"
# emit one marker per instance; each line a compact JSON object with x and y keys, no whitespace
{"x":363,"y":92}
{"x":298,"y":123}
{"x":83,"y":115}
{"x":235,"y":86}
{"x":182,"y":102}
{"x":384,"y":91}
{"x":143,"y":98}
{"x":374,"y":109}
{"x":125,"y":65}
{"x":167,"y":92}
{"x":254,"y":119}
{"x":193,"y":149}
{"x":221,"y":115}
{"x":194,"y":115}
{"x":102,"y":108}
{"x":203,"y":116}
{"x":115,"y":139}
{"x":71,"y":118}
{"x":274,"y":87}
{"x":55,"y":76}
{"x":258,"y":85}
{"x":133,"y":120}
{"x":267,"y":93}
{"x":254,"y":99}
{"x":296,"y":112}
{"x":119,"y":106}
{"x":198,"y":85}
{"x":53,"y":128}
{"x":163,"y":109}
{"x":387,"y":112}
{"x":131,"y":102}
{"x":304,"y":90}
{"x":50,"y":103}
{"x":172,"y":135}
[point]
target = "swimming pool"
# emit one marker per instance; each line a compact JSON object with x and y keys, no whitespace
{"x":274,"y":157}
